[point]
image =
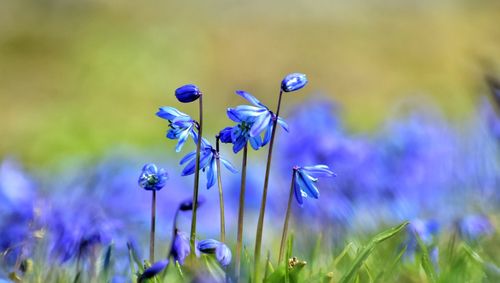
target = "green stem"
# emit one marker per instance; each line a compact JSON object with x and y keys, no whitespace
{"x":241,"y":213}
{"x":287,"y":217}
{"x":260,"y":223}
{"x":196,"y":177}
{"x":153,"y":224}
{"x":221,"y":196}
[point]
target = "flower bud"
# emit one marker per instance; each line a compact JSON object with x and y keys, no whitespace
{"x":152,"y":271}
{"x":152,"y":178}
{"x":293,"y":82}
{"x":223,"y":254}
{"x":225,"y":135}
{"x":187,"y":93}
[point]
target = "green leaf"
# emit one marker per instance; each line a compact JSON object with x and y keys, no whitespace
{"x":367,"y":250}
{"x":425,"y":260}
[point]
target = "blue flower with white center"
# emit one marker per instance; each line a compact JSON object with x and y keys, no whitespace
{"x":181,"y":125}
{"x":152,"y":178}
{"x":221,"y":250}
{"x":187,"y":93}
{"x":252,"y":121}
{"x":293,"y":82}
{"x":207,"y":162}
{"x":305,"y":179}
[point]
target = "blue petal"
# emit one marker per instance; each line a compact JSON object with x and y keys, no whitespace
{"x":255,"y":142}
{"x":182,"y":140}
{"x":156,"y":268}
{"x":169,"y":113}
{"x":267,"y":135}
{"x":239,"y":143}
{"x":234,"y":115}
{"x":250,"y":98}
{"x":188,"y":157}
{"x":150,"y":168}
{"x":212,"y":171}
{"x":245,"y":111}
{"x":260,"y":124}
{"x":228,"y":165}
{"x":283,"y":124}
{"x":297,"y":192}
{"x":208,"y":246}
{"x":223,"y":254}
{"x":318,"y":170}
{"x":307,"y":185}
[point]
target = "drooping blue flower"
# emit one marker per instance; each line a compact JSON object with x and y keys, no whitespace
{"x":221,"y":250}
{"x":305,"y":179}
{"x":293,"y":82}
{"x":152,"y":271}
{"x":152,"y":178}
{"x":474,"y":227}
{"x":207,"y":163}
{"x":252,"y":121}
{"x":187,"y":93}
{"x":180,"y":247}
{"x":181,"y":125}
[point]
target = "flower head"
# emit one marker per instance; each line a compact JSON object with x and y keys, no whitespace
{"x":474,"y":227}
{"x":208,"y":159}
{"x":305,"y":179}
{"x":152,"y":178}
{"x":180,"y":247}
{"x":152,"y":271}
{"x":187,"y":93}
{"x":221,"y":250}
{"x":252,"y":121}
{"x":293,"y":82}
{"x":181,"y":125}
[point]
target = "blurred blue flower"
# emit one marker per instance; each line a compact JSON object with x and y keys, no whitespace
{"x":180,"y":246}
{"x":152,"y":271}
{"x":257,"y":119}
{"x":427,"y":230}
{"x":207,"y":162}
{"x":181,"y":125}
{"x":305,"y":179}
{"x":187,"y":93}
{"x":293,"y":82}
{"x":152,"y":178}
{"x":221,"y":251}
{"x":474,"y":227}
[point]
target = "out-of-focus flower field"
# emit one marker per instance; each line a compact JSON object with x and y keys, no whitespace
{"x":402,"y":104}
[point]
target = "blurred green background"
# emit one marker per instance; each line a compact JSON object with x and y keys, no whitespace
{"x":78,"y":77}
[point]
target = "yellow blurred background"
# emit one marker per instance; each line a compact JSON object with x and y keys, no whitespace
{"x":78,"y":77}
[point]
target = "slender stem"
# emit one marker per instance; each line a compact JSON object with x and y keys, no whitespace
{"x":260,"y":223}
{"x":241,"y":212}
{"x":287,"y":217}
{"x":221,"y":196}
{"x":174,"y":232}
{"x":153,"y":224}
{"x":196,"y":177}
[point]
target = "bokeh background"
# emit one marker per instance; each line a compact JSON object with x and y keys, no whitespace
{"x":80,"y":77}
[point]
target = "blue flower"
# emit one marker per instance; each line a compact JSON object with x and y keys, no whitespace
{"x":427,"y":231}
{"x":474,"y":227}
{"x":221,"y":250}
{"x":207,"y":162}
{"x":304,"y":180}
{"x":152,"y":271}
{"x":180,"y":246}
{"x":293,"y":82}
{"x":252,"y":121}
{"x":152,"y":178}
{"x":181,"y":125}
{"x":187,"y":93}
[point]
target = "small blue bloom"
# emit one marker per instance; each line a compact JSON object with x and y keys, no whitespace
{"x":427,"y":231}
{"x":474,"y":227}
{"x":187,"y":93}
{"x":180,"y":247}
{"x":188,"y":204}
{"x":156,"y":268}
{"x":221,"y":250}
{"x":181,"y":125}
{"x":207,"y":162}
{"x":293,"y":82}
{"x":305,"y":179}
{"x":252,"y":121}
{"x":225,"y":135}
{"x":152,"y":178}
